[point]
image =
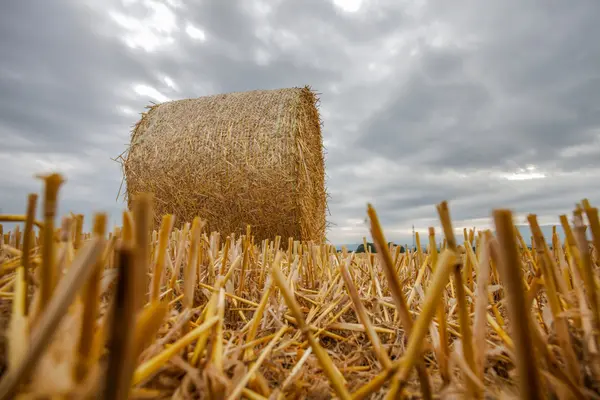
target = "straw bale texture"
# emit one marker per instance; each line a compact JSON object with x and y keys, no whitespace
{"x":234,"y":159}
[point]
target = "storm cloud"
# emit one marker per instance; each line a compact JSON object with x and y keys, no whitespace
{"x":483,"y":104}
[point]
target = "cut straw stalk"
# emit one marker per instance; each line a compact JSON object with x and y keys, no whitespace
{"x":594,"y":221}
{"x":465,"y":328}
{"x":163,"y":239}
{"x":245,"y":261}
{"x":209,"y":312}
{"x":479,"y":324}
{"x":18,"y":334}
{"x":18,"y":218}
{"x":571,"y":243}
{"x":180,"y":255}
{"x":441,"y":316}
{"x":467,"y":265}
{"x":446,"y":263}
{"x":150,"y":367}
{"x":65,"y":249}
{"x":120,"y":363}
{"x":148,"y":322}
{"x":190,"y":271}
{"x":253,"y":343}
{"x":588,"y":274}
{"x":217,"y":340}
{"x":587,"y":315}
{"x":525,"y":249}
{"x":127,"y":231}
{"x":175,"y":327}
{"x":78,"y":232}
{"x":258,"y":315}
{"x":28,"y":238}
{"x":91,"y":293}
{"x":48,"y":272}
{"x":463,"y":309}
{"x":420,"y":275}
{"x":561,"y":323}
{"x":396,"y":291}
{"x":510,"y":272}
{"x":363,"y":317}
{"x":419,"y":249}
{"x":142,"y":212}
{"x":225,"y":256}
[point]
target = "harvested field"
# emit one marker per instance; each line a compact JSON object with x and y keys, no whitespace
{"x":190,"y":313}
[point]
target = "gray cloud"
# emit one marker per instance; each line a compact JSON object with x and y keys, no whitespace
{"x":522,"y":91}
{"x":421,"y":101}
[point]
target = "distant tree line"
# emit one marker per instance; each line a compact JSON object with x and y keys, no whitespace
{"x":372,"y":249}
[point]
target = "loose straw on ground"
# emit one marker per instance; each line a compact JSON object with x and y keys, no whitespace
{"x":307,"y":319}
{"x":397,"y":295}
{"x":463,"y":310}
{"x":334,"y":376}
{"x":41,"y":336}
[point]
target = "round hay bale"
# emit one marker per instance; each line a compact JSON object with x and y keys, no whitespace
{"x":237,"y":159}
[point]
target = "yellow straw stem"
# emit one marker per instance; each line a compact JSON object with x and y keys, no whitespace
{"x":28,"y":238}
{"x":42,"y":333}
{"x":209,"y":310}
{"x":217,"y":343}
{"x":225,"y":256}
{"x":153,"y":365}
{"x":335,"y":377}
{"x":588,"y":274}
{"x":501,"y":332}
{"x":267,"y":350}
{"x":245,"y":261}
{"x":459,"y":287}
{"x":91,"y":293}
{"x":363,"y":317}
{"x":189,"y":274}
{"x":571,"y":243}
{"x":258,"y":314}
{"x":163,"y":242}
{"x":444,"y":267}
{"x":142,"y":212}
{"x":479,"y":323}
{"x":446,"y":264}
{"x":433,"y":253}
{"x":148,"y":322}
{"x":396,"y":291}
{"x":589,"y":315}
{"x":78,"y":231}
{"x":18,"y":218}
{"x":48,"y":272}
{"x":18,"y":332}
{"x":521,"y":324}
{"x":561,"y":323}
{"x":180,"y":255}
{"x":441,"y":315}
{"x":419,"y":249}
{"x":127,"y":231}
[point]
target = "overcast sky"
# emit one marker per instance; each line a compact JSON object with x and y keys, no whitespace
{"x":421,"y":100}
